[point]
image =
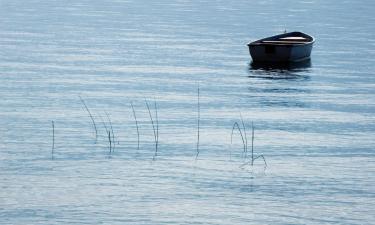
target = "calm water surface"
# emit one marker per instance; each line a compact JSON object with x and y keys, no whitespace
{"x":314,"y":124}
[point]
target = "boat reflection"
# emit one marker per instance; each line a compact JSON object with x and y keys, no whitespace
{"x":291,"y":70}
{"x":279,"y":84}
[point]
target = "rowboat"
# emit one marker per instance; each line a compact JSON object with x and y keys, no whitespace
{"x":287,"y":47}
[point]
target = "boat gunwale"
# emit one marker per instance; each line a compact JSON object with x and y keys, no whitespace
{"x":290,"y":43}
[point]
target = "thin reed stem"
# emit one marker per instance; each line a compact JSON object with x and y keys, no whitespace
{"x":136,"y":124}
{"x":264,"y":160}
{"x":235,"y":125}
{"x":198,"y":122}
{"x":53,"y":138}
{"x":157,"y":126}
{"x":156,"y":130}
{"x":253,"y":160}
{"x":104,"y":124}
{"x":92,"y":118}
{"x":245,"y":135}
{"x":113,"y":134}
{"x":110,"y":142}
{"x":108,"y":132}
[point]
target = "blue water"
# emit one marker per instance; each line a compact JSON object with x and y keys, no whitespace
{"x":314,"y":124}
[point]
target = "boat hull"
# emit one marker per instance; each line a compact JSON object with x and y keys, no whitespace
{"x":271,"y":50}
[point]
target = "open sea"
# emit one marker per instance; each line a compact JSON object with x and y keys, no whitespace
{"x":70,"y":153}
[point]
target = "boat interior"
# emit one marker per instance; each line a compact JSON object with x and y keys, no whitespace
{"x":287,"y":38}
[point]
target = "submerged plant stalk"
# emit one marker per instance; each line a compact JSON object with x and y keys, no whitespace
{"x":198,"y":123}
{"x":110,"y":142}
{"x":136,"y":124}
{"x":53,"y":138}
{"x":245,"y":135}
{"x":157,"y":127}
{"x":156,"y":130}
{"x":113,"y":134}
{"x":251,"y":162}
{"x":108,"y":132}
{"x":235,"y":125}
{"x":92,"y":119}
